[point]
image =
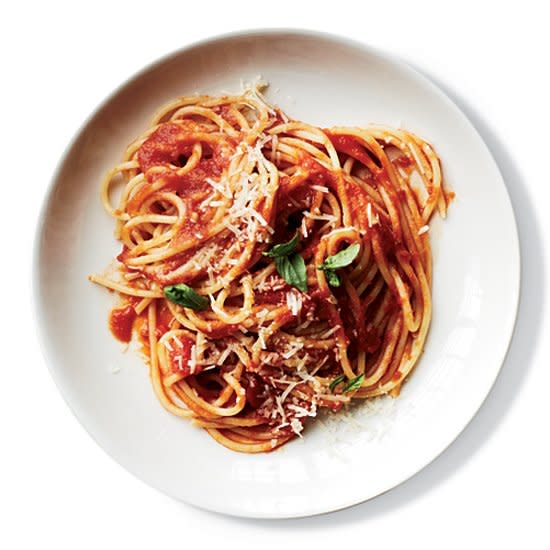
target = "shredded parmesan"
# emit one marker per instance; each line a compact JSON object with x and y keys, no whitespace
{"x":294,"y":302}
{"x":329,"y":332}
{"x":373,"y":219}
{"x":302,"y":411}
{"x":192,"y":363}
{"x":261,"y":338}
{"x":223,"y":190}
{"x":423,"y":229}
{"x":322,"y":217}
{"x":320,"y":188}
{"x":293,"y":349}
{"x":168,"y":346}
{"x":297,"y":427}
{"x":224,"y":355}
{"x":303,"y":228}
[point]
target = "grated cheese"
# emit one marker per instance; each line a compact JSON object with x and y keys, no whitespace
{"x":297,"y":427}
{"x":303,"y":228}
{"x":261,"y":338}
{"x":320,"y":188}
{"x":217,"y":186}
{"x":329,"y":332}
{"x":423,"y":229}
{"x":224,"y":355}
{"x":294,"y":302}
{"x":192,"y":363}
{"x":302,"y":411}
{"x":293,"y":350}
{"x":322,"y":217}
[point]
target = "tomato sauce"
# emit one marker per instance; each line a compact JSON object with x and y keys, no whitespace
{"x":352,"y":147}
{"x":272,"y":297}
{"x":255,"y":388}
{"x":403,"y":161}
{"x":318,"y":174}
{"x":121,"y":322}
{"x":221,"y":330}
{"x":358,"y":201}
{"x":167,"y":143}
{"x":386,"y":238}
{"x":169,"y":147}
{"x":164,"y":318}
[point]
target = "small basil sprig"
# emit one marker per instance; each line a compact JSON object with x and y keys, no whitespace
{"x":352,"y":385}
{"x":283,"y":249}
{"x":290,"y":265}
{"x":342,"y":259}
{"x":185,"y":296}
{"x":338,"y":380}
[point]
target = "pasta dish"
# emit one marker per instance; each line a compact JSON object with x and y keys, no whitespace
{"x":270,"y":268}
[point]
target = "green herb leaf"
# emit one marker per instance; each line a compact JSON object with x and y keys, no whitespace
{"x":342,"y":259}
{"x":354,"y":384}
{"x":336,"y":381}
{"x":293,"y":270}
{"x":283,"y":249}
{"x":185,"y":296}
{"x":332,"y":278}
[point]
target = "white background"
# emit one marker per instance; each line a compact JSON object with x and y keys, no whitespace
{"x":58,"y":61}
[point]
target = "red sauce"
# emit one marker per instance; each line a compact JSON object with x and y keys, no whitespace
{"x":164,"y":318}
{"x":318,"y":174}
{"x":169,"y":148}
{"x":216,"y":331}
{"x":227,"y":113}
{"x":121,"y":322}
{"x":290,"y":195}
{"x":358,"y":331}
{"x":358,"y":201}
{"x":272,"y":297}
{"x":167,"y":143}
{"x":404,"y":161}
{"x":369,"y":341}
{"x":403,"y":256}
{"x":255,"y":388}
{"x":386,"y":237}
{"x":352,"y":147}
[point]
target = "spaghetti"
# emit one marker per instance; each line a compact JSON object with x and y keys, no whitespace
{"x":271,"y":268}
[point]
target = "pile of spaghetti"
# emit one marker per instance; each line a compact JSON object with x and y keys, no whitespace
{"x":271,"y":268}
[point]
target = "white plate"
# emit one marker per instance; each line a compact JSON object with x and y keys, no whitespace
{"x":326,"y":81}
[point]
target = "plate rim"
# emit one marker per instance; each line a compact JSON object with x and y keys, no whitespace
{"x":38,"y":305}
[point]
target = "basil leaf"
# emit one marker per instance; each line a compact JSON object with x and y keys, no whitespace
{"x":283,"y":249}
{"x":332,"y":278}
{"x":293,"y":270}
{"x":354,"y":384}
{"x":185,"y":296}
{"x":342,"y":259}
{"x":336,"y":381}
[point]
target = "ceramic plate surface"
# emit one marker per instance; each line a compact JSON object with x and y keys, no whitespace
{"x":325,"y":81}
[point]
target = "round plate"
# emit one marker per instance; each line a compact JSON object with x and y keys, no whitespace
{"x":326,"y":81}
